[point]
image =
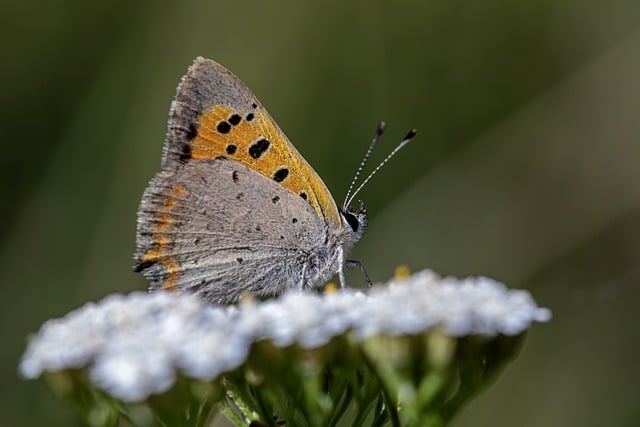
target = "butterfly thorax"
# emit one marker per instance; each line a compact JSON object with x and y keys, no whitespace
{"x":328,"y":257}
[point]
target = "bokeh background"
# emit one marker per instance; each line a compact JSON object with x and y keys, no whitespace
{"x":526,"y":167}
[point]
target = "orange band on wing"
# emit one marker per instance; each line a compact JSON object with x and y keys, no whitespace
{"x":254,"y":140}
{"x":158,"y":252}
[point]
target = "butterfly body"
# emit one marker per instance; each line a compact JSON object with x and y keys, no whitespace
{"x":236,"y":209}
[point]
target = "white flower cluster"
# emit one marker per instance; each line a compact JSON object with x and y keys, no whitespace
{"x":134,"y":345}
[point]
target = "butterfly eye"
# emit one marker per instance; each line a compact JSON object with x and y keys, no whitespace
{"x":351,"y":220}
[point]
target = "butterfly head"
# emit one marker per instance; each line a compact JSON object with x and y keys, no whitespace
{"x":354,"y":220}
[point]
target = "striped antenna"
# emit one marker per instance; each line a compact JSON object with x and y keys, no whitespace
{"x":374,"y":141}
{"x":402,"y":143}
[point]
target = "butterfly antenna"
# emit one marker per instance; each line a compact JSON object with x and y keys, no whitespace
{"x":404,"y":142}
{"x":374,"y":141}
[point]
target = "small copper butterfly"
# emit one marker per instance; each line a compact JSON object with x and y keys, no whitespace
{"x":236,"y":209}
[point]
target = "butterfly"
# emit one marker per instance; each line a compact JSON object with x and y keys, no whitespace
{"x":236,"y":209}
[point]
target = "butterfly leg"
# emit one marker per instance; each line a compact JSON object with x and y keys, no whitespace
{"x":301,"y":284}
{"x":341,"y":262}
{"x":353,"y":263}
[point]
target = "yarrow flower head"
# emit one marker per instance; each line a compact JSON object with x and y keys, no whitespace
{"x":134,"y":347}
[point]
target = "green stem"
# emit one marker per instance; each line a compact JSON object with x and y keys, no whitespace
{"x":343,"y":404}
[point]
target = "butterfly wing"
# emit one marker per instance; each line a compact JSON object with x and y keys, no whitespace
{"x":235,"y":208}
{"x":206,"y":225}
{"x":215,"y":114}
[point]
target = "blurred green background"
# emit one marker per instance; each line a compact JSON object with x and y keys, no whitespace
{"x":525,"y":168}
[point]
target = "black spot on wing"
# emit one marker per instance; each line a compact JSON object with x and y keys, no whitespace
{"x":259,"y":147}
{"x":192,"y":132}
{"x":235,"y":119}
{"x":223,"y":127}
{"x":185,"y":154}
{"x":143,"y":265}
{"x":281,"y":174}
